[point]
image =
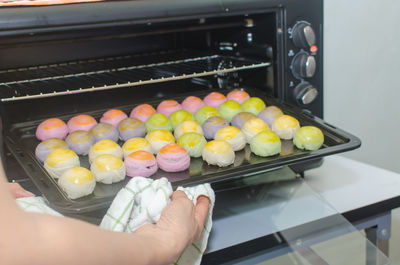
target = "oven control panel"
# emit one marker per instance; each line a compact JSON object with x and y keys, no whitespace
{"x":304,"y":63}
{"x":303,"y":35}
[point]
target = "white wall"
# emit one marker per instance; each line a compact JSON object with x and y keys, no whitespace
{"x":362,"y":76}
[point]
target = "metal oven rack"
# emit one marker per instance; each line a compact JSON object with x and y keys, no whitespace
{"x":115,"y":72}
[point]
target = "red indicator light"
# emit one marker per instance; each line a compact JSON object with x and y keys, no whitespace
{"x":313,"y":48}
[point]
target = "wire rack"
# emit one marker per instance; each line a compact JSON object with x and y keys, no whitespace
{"x":117,"y":72}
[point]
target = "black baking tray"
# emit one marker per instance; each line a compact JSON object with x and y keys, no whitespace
{"x":21,"y":141}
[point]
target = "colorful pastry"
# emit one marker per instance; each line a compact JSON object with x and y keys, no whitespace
{"x":214,"y":99}
{"x":253,"y":105}
{"x":104,"y":147}
{"x":51,"y":128}
{"x":192,"y":104}
{"x":158,"y":121}
{"x":142,"y":112}
{"x":186,"y":127}
{"x":136,"y":144}
{"x":265,"y":143}
{"x":166,"y":107}
{"x":159,"y":138}
{"x":238,"y":96}
{"x":47,"y":146}
{"x":204,"y":113}
{"x":80,"y":141}
{"x":77,"y":182}
{"x":108,"y":169}
{"x":233,"y":136}
{"x":81,"y":122}
{"x":131,"y":127}
{"x":229,"y":109}
{"x":212,"y":125}
{"x":269,"y":114}
{"x":179,"y":116}
{"x":58,"y":161}
{"x":219,"y":153}
{"x":113,"y":117}
{"x":173,"y":158}
{"x":193,"y":143}
{"x":103,"y":131}
{"x":140,"y":164}
{"x":240,"y":119}
{"x":253,"y":127}
{"x":285,"y":126}
{"x":309,"y":138}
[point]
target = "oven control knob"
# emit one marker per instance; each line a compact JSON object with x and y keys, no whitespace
{"x":303,"y":65}
{"x":303,"y":35}
{"x":305,"y":93}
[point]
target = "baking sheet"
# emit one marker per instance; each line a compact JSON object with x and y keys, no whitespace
{"x":21,"y":141}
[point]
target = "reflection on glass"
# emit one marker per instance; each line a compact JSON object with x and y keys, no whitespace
{"x":305,"y":229}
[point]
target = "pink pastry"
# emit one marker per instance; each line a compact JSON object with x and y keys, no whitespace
{"x":238,"y":96}
{"x":173,"y":158}
{"x":166,"y":107}
{"x":192,"y":104}
{"x":81,"y":122}
{"x":113,"y":117}
{"x":142,"y":112}
{"x":214,"y":99}
{"x":51,"y":128}
{"x":140,"y":163}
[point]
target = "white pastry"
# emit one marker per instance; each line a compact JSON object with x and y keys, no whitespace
{"x":219,"y":153}
{"x":233,"y":136}
{"x":159,"y":138}
{"x":105,"y":147}
{"x":77,"y":182}
{"x":136,"y":144}
{"x":285,"y":126}
{"x":60,"y":160}
{"x":108,"y":169}
{"x":186,"y":127}
{"x":252,"y":127}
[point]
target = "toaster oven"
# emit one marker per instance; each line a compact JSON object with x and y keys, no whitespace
{"x":64,"y":60}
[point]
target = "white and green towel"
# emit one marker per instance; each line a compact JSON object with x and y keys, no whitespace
{"x":36,"y":205}
{"x":141,"y":202}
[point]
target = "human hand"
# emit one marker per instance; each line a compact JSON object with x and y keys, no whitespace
{"x":180,"y":224}
{"x":17,"y":191}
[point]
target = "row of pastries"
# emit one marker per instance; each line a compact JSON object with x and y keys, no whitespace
{"x":166,"y":138}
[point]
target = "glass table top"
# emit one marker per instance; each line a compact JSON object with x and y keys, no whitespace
{"x":276,"y":218}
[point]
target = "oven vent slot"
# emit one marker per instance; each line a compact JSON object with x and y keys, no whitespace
{"x":110,"y":73}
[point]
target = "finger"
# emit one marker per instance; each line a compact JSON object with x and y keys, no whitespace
{"x":201,"y":211}
{"x":178,"y":194}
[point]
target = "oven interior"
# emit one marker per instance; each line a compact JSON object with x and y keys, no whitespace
{"x":131,"y":63}
{"x":48,"y":72}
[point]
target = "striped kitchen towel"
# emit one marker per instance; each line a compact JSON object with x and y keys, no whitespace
{"x":37,"y":205}
{"x":142,"y":201}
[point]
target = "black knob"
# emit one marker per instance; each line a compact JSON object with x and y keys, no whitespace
{"x":303,"y":65}
{"x":303,"y":35}
{"x":305,"y":93}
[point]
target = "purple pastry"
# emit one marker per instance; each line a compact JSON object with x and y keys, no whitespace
{"x":240,"y":119}
{"x":269,"y":114}
{"x":131,"y":127}
{"x":212,"y":125}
